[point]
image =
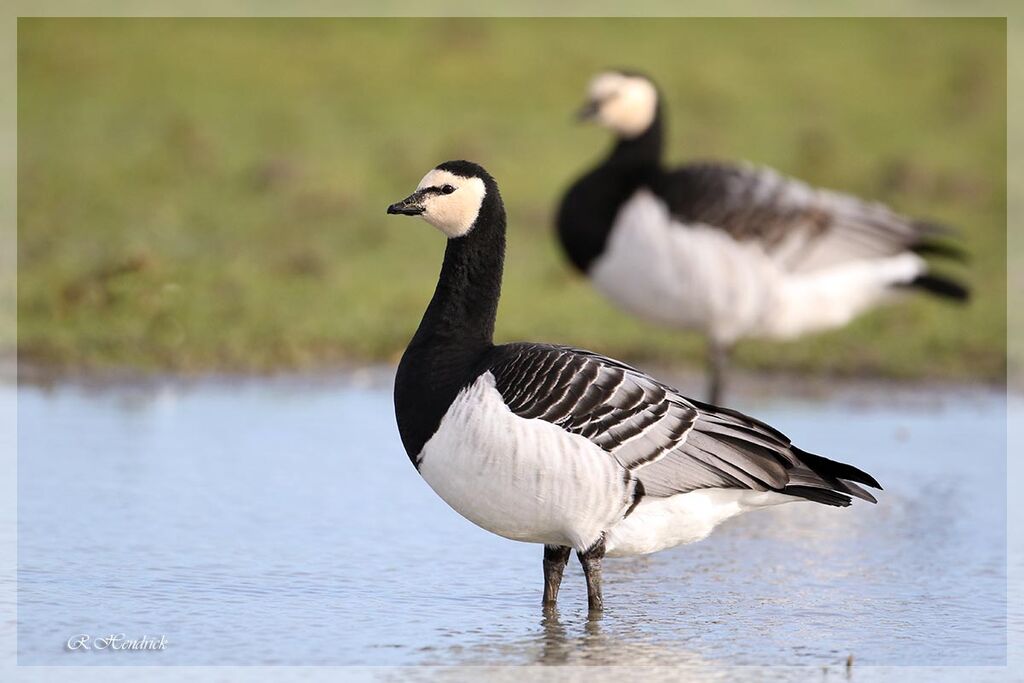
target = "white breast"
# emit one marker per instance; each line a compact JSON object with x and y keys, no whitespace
{"x":527,"y":480}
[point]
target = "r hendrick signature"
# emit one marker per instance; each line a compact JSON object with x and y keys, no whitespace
{"x":115,"y":641}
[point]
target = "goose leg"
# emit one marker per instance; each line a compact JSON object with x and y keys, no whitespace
{"x":591,"y":561}
{"x":718,"y":360}
{"x":555,"y":557}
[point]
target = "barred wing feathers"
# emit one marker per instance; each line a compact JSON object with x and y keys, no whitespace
{"x":670,"y":443}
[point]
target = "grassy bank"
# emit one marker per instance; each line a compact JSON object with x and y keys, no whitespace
{"x":209,"y":194}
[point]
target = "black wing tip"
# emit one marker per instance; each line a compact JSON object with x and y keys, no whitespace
{"x":930,"y":247}
{"x":941,"y":286}
{"x":816,"y":495}
{"x":839,"y":474}
{"x":861,"y":477}
{"x":840,"y":470}
{"x":858,"y":491}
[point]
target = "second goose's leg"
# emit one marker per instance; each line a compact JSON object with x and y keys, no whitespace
{"x":718,"y":360}
{"x":591,"y":561}
{"x":555,"y":557}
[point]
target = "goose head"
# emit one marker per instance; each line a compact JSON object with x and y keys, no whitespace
{"x":624,"y":102}
{"x":449,"y":197}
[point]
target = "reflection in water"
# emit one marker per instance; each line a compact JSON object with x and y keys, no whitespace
{"x":271,"y":523}
{"x":592,"y":646}
{"x":576,"y":641}
{"x":555,"y":642}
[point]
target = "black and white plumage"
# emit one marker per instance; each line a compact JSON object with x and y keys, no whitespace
{"x":731,"y":250}
{"x":564,"y":447}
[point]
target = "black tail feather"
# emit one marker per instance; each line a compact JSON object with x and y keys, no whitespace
{"x":940,"y":285}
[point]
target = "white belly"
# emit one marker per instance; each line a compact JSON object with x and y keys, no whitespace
{"x":698,"y":277}
{"x":832,"y":297}
{"x":527,"y":480}
{"x":660,"y":523}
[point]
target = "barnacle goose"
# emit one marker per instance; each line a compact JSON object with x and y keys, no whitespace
{"x":554,"y":445}
{"x":730,"y":250}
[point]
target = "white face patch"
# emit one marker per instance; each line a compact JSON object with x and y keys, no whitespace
{"x":453,"y":213}
{"x":627,"y":104}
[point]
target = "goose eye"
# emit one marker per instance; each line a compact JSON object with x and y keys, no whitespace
{"x":447,"y":189}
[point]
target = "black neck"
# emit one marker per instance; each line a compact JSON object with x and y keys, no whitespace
{"x":457,"y":328}
{"x":465,"y":302}
{"x":589,"y":207}
{"x":643,"y":150}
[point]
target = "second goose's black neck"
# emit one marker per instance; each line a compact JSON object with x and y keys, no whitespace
{"x":457,"y":327}
{"x":588,"y":210}
{"x":644,"y":150}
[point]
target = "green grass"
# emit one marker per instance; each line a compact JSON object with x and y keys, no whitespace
{"x":203,"y":195}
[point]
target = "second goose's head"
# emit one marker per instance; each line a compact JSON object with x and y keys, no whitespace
{"x":622,"y":101}
{"x":452,"y":197}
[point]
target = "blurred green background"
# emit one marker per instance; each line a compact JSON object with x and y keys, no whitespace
{"x":209,"y":195}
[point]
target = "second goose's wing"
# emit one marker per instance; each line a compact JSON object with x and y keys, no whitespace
{"x":803,"y":227}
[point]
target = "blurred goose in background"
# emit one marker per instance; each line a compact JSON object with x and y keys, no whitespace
{"x":730,"y":250}
{"x":564,"y":447}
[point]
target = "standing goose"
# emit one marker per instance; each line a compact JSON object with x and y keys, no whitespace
{"x":554,"y":445}
{"x":730,"y":250}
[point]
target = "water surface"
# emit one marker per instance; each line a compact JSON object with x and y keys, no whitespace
{"x":280,"y":522}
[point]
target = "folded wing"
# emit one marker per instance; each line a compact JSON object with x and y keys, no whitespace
{"x":671,"y":444}
{"x":803,"y":227}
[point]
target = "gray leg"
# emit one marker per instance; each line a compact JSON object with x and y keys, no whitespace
{"x":555,"y":557}
{"x":718,"y":360}
{"x":591,"y":561}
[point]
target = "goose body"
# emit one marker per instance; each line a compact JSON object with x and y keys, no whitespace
{"x":564,"y":447}
{"x":731,"y":250}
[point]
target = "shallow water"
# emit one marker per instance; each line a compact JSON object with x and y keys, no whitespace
{"x":280,"y":522}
